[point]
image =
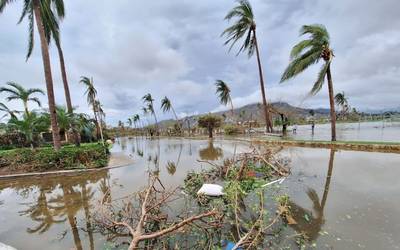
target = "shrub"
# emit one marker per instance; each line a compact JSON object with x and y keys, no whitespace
{"x":91,"y":155}
{"x":231,"y":130}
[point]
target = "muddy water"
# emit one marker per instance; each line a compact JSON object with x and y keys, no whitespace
{"x":357,"y":207}
{"x":364,"y":131}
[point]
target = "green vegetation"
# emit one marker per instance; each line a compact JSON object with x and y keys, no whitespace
{"x":210,"y":122}
{"x":231,"y":130}
{"x":90,"y":155}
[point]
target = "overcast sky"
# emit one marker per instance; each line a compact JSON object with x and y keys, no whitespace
{"x":174,"y":48}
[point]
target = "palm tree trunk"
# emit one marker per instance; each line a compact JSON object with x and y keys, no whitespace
{"x":26,"y":108}
{"x":268,"y":122}
{"x":97,"y":123}
{"x":47,"y":75}
{"x":177,"y":120}
{"x":155,"y":119}
{"x":66,"y":91}
{"x":332,"y":103}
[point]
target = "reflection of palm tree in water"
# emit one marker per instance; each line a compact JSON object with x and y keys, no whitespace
{"x":210,"y":153}
{"x":42,"y":213}
{"x":171,"y":166}
{"x":308,"y":223}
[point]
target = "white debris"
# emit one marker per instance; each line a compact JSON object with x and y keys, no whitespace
{"x":275,"y":181}
{"x":6,"y":247}
{"x":211,"y":190}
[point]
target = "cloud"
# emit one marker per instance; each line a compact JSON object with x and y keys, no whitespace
{"x":173,"y":48}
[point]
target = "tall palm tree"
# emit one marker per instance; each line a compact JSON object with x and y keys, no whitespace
{"x":224,"y":93}
{"x":32,"y":9}
{"x":246,"y":26}
{"x":309,"y":52}
{"x":148,"y":100}
{"x":166,"y":106}
{"x":17,"y":92}
{"x":130,"y":121}
{"x":7,"y":111}
{"x":91,"y":95}
{"x":136,"y":119}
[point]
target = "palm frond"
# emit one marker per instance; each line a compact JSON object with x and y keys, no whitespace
{"x":165,"y":104}
{"x":320,"y":80}
{"x":301,"y":63}
{"x":223,"y":92}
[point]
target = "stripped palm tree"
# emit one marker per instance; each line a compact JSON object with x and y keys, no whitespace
{"x":91,"y":95}
{"x":17,"y":92}
{"x":7,"y":111}
{"x":224,"y":94}
{"x":136,"y":119}
{"x":309,"y":52}
{"x":342,"y":102}
{"x":246,"y":27}
{"x":33,"y":10}
{"x":166,"y":106}
{"x":148,"y":100}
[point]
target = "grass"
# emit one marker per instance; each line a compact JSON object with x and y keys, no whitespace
{"x":88,"y":155}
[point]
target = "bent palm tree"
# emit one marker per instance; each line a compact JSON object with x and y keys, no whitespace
{"x":342,"y":101}
{"x":91,"y":95}
{"x":148,"y":100}
{"x":246,"y":26}
{"x":33,"y":10}
{"x":17,"y":92}
{"x":309,"y":52}
{"x":167,"y":106}
{"x":224,"y":93}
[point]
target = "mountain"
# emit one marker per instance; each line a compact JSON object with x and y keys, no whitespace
{"x":254,"y":112}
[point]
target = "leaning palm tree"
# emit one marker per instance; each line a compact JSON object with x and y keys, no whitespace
{"x":148,"y":100}
{"x":7,"y":111}
{"x":246,"y":27}
{"x":17,"y":92}
{"x":32,"y":9}
{"x":342,"y":102}
{"x":309,"y":52}
{"x":224,"y":93}
{"x":136,"y":119}
{"x":166,"y":106}
{"x":91,"y":95}
{"x":130,"y":121}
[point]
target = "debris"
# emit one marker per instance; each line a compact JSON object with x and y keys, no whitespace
{"x":211,"y":190}
{"x":275,"y":181}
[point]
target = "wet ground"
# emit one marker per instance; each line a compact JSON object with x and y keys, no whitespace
{"x":357,"y":207}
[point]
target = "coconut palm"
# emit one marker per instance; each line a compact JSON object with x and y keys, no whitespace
{"x":91,"y":95}
{"x":7,"y":111}
{"x":33,"y":9}
{"x":309,"y":52}
{"x":17,"y":92}
{"x":130,"y":121}
{"x":245,"y":26}
{"x":342,"y":101}
{"x":224,"y":93}
{"x":136,"y":119}
{"x":166,"y":106}
{"x":148,"y":100}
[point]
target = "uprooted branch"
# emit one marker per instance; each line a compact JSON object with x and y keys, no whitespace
{"x":138,"y":221}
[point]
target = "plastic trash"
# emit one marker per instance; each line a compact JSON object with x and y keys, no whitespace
{"x":6,"y":247}
{"x":275,"y":181}
{"x":211,"y":190}
{"x":229,"y":245}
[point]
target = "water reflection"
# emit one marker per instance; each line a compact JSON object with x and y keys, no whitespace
{"x":211,"y":153}
{"x":59,"y":200}
{"x":309,"y":223}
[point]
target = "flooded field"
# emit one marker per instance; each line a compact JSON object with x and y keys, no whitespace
{"x":364,"y":131}
{"x":343,"y":200}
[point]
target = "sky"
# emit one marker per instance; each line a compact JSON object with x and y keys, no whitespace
{"x":173,"y":48}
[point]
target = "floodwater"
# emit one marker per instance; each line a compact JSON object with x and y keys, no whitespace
{"x":355,"y":207}
{"x":388,"y":131}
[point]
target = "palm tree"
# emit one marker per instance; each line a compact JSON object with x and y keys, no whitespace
{"x":224,"y":93}
{"x":7,"y":111}
{"x":148,"y":100}
{"x":136,"y":118}
{"x":342,"y":101}
{"x":167,"y":106}
{"x":91,"y":95}
{"x":311,"y":51}
{"x":17,"y":92}
{"x":129,"y":121}
{"x":32,"y":9}
{"x":246,"y":26}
